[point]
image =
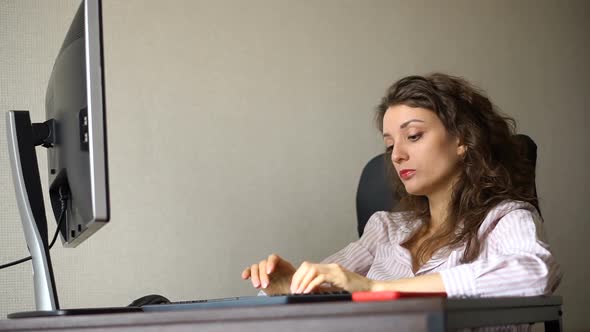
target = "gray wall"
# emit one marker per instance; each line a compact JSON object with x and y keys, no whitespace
{"x":237,"y":129}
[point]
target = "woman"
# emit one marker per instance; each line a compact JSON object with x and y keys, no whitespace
{"x":469,"y":223}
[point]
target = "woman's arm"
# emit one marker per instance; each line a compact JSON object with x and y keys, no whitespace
{"x":310,"y":276}
{"x":515,"y":262}
{"x":425,"y":283}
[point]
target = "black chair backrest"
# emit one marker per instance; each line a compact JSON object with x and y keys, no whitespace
{"x":375,"y":193}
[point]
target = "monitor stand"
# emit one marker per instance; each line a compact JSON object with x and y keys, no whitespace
{"x":71,"y":312}
{"x":23,"y":137}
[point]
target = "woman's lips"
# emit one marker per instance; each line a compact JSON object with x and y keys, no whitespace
{"x":405,"y":174}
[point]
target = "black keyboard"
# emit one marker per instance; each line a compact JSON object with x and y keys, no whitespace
{"x":249,"y":301}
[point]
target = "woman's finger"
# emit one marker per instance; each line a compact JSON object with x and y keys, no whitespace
{"x":254,"y":275}
{"x":312,"y":272}
{"x":316,"y":282}
{"x":271,"y":263}
{"x":262,"y":274}
{"x":246,"y":273}
{"x":299,"y":274}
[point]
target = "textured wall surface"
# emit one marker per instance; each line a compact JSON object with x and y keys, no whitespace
{"x":237,"y":129}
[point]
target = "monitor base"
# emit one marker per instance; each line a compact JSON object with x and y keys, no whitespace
{"x":73,"y":312}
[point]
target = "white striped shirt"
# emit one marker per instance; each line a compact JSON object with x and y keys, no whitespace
{"x":515,"y":259}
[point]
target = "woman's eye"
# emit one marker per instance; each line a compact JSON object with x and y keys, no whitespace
{"x":389,"y":149}
{"x":414,"y":138}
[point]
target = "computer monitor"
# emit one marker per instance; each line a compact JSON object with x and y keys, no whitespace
{"x":74,"y":134}
{"x":75,"y":102}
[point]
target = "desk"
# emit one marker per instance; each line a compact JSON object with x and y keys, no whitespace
{"x":427,"y":314}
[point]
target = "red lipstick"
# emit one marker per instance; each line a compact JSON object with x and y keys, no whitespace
{"x":405,"y":174}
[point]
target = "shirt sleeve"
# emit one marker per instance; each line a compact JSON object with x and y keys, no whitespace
{"x":515,"y":261}
{"x":359,"y":255}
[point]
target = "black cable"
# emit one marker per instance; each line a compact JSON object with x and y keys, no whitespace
{"x":22,"y":260}
{"x":63,"y":199}
{"x":61,"y":218}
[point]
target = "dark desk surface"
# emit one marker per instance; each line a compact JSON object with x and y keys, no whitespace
{"x":430,"y":314}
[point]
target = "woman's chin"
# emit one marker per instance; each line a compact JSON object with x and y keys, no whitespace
{"x":411,"y":190}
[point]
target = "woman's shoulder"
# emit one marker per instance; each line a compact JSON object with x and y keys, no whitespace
{"x":508,"y":206}
{"x":513,"y":211}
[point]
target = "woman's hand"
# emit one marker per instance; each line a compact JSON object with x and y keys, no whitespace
{"x":273,"y":274}
{"x":310,"y":276}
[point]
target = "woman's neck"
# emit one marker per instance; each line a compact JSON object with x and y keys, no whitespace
{"x":439,"y":202}
{"x":439,"y":207}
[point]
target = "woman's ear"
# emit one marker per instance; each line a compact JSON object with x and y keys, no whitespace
{"x":461,"y":148}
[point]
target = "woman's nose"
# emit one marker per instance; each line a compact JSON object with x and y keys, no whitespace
{"x":398,"y":154}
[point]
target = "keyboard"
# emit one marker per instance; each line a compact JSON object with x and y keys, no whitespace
{"x":250,"y":301}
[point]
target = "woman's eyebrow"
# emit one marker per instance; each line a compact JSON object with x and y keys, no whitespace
{"x":405,"y":124}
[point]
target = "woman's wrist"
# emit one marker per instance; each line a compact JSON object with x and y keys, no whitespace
{"x":378,"y":285}
{"x":426,"y":283}
{"x":373,"y":285}
{"x":384,"y":285}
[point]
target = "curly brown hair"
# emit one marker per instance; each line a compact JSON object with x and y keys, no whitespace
{"x":493,"y":168}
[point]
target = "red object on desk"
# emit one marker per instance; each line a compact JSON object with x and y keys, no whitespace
{"x":391,"y":295}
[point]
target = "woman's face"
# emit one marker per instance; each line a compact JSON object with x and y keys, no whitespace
{"x":426,"y":157}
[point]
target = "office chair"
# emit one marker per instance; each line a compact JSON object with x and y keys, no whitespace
{"x":375,"y":192}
